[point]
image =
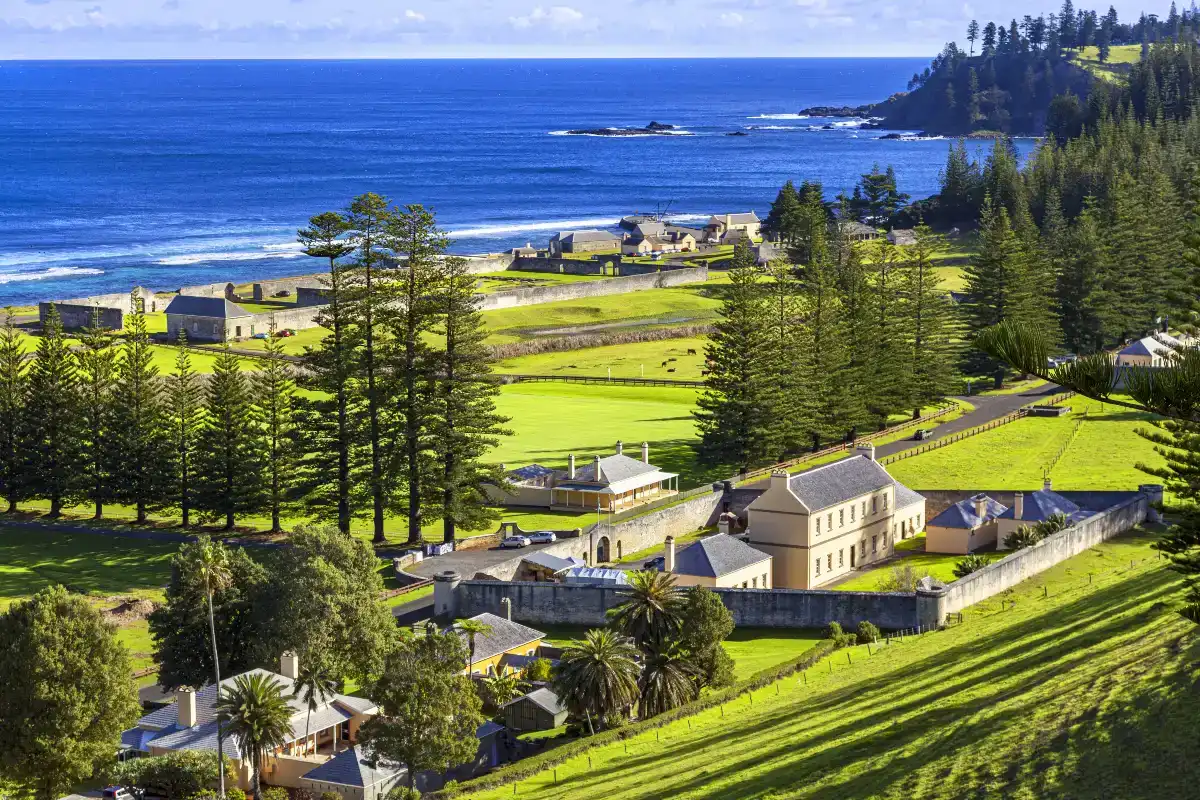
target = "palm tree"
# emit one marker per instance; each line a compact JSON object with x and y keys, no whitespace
{"x":212,"y":574}
{"x":314,"y":688}
{"x":258,"y":717}
{"x":472,"y":628}
{"x":653,"y":612}
{"x":598,"y":677}
{"x":503,"y":689}
{"x":666,"y":682}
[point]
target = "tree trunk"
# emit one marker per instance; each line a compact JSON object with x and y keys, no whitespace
{"x":55,"y":505}
{"x":141,"y":513}
{"x":212,"y":630}
{"x":99,"y":511}
{"x":12,"y":506}
{"x":229,"y":521}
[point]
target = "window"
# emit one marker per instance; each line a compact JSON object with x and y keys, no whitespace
{"x":841,"y":553}
{"x":237,"y":331}
{"x":862,"y":548}
{"x":885,"y":502}
{"x":829,"y":561}
{"x":852,"y":513}
{"x":873,"y":499}
{"x":818,"y":526}
{"x":864,"y":508}
{"x":754,"y":583}
{"x":765,"y":584}
{"x":830,"y":520}
{"x":818,"y":566}
{"x":874,"y":544}
{"x":841,"y":517}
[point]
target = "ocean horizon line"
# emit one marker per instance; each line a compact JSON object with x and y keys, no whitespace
{"x":19,"y":59}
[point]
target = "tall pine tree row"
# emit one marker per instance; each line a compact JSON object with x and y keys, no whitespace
{"x":14,"y":383}
{"x":466,"y":426}
{"x":184,"y":397}
{"x":97,"y":383}
{"x":230,"y":448}
{"x":275,"y":391}
{"x":930,"y":323}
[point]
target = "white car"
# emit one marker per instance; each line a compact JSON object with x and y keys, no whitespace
{"x":117,"y":793}
{"x":542,"y":537}
{"x":514,"y":542}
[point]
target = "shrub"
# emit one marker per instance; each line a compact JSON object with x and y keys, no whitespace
{"x":559,"y":344}
{"x":867,"y":632}
{"x":846,"y":640}
{"x":971,"y":563}
{"x":330,"y":796}
{"x":275,"y":793}
{"x":449,"y":790}
{"x":833,"y":631}
{"x":403,"y":793}
{"x":900,"y":579}
{"x":1021,"y":538}
{"x":538,"y":670}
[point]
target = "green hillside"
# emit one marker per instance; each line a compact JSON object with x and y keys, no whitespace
{"x":1082,"y":689}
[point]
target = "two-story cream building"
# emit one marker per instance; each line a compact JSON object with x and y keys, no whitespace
{"x":819,"y":525}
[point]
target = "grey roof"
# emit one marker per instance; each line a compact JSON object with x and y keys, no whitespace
{"x":543,"y":699}
{"x":962,"y":514}
{"x":736,"y":219}
{"x":596,"y":576}
{"x":556,"y":563}
{"x":718,"y":555}
{"x":530,"y":472}
{"x":1041,"y":504}
{"x":1138,"y":348}
{"x":217,"y":307}
{"x":647,"y":229}
{"x":906,"y":497}
{"x":614,"y":469}
{"x":838,"y":482}
{"x":902,"y":236}
{"x":505,"y":635}
{"x":163,"y":728}
{"x":347,"y":768}
{"x":588,"y":236}
{"x":853,"y":226}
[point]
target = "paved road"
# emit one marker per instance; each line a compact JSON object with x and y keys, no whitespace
{"x":987,"y":408}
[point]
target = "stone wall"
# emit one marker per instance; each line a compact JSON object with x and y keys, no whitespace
{"x":576,"y":291}
{"x":221,"y":289}
{"x":567,"y":604}
{"x":478,"y":265}
{"x":296,"y":319}
{"x":310,"y":296}
{"x":75,"y":316}
{"x":265,"y":290}
{"x":934,"y":605}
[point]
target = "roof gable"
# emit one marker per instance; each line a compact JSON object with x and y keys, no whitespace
{"x":614,"y":469}
{"x":1040,"y":505}
{"x":718,"y":555}
{"x":838,"y":482}
{"x":217,"y":307}
{"x":963,"y":515}
{"x":504,"y":635}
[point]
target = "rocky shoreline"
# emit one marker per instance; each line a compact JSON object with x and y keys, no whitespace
{"x":653,"y":129}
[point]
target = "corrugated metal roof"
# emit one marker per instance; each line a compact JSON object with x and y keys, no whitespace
{"x":596,"y":575}
{"x":542,"y":698}
{"x":347,"y":768}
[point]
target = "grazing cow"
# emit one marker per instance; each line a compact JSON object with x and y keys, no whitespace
{"x":672,"y":359}
{"x":703,"y":372}
{"x":691,"y":351}
{"x":672,"y":369}
{"x":664,"y":363}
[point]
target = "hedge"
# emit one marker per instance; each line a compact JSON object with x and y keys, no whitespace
{"x":520,"y":770}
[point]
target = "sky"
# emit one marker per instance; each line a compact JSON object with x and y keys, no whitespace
{"x":240,"y":29}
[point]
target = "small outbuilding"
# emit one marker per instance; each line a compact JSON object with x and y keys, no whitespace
{"x":540,"y":710}
{"x":208,"y":319}
{"x":1032,"y":508}
{"x":722,"y":561}
{"x":964,"y":527}
{"x":349,"y":775}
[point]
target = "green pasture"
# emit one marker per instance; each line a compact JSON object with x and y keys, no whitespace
{"x":1063,"y":687}
{"x":1101,"y":455}
{"x":1119,"y":58}
{"x":488,"y":282}
{"x":633,"y":360}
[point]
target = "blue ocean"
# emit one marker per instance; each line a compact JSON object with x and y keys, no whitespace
{"x":115,"y":174}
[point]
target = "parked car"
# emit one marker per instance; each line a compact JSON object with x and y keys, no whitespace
{"x":117,"y":793}
{"x":514,"y":542}
{"x":542,"y":537}
{"x":286,"y":332}
{"x":261,"y":336}
{"x":922,"y":434}
{"x":656,"y":564}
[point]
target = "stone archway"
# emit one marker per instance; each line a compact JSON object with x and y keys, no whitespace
{"x":602,"y":550}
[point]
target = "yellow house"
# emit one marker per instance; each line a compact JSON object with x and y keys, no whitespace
{"x":720,"y":561}
{"x":964,"y":527}
{"x":506,"y":641}
{"x":190,"y":723}
{"x":820,"y":525}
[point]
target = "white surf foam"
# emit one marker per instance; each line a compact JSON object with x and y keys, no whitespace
{"x":775,"y":128}
{"x":251,"y":255}
{"x":52,"y":272}
{"x":780,"y":116}
{"x":676,"y":132}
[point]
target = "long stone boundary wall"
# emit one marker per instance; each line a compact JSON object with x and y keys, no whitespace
{"x":265,"y":290}
{"x":578,"y":266}
{"x":567,"y":604}
{"x":574,"y":291}
{"x":1011,"y":570}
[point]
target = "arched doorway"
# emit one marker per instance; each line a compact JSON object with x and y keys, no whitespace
{"x":602,"y":554}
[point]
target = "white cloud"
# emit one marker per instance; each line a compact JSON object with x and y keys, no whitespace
{"x":732,"y":19}
{"x":415,"y":16}
{"x":556,"y":17}
{"x":95,"y":15}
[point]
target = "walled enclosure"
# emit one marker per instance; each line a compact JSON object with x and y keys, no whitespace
{"x":577,"y":266}
{"x":265,"y":290}
{"x":77,"y":312}
{"x":573,"y":291}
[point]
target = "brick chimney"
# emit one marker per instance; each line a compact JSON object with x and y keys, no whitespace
{"x":980,"y":505}
{"x":779,"y":479}
{"x":645,"y":452}
{"x":599,"y":473}
{"x":620,"y":448}
{"x":185,"y":701}
{"x":289,"y":665}
{"x":865,"y":449}
{"x":1019,"y":505}
{"x":1046,"y":484}
{"x":669,"y":556}
{"x":506,"y":603}
{"x":571,"y":466}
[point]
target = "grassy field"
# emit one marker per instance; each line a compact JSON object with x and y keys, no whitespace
{"x":489,"y":282}
{"x":552,"y":420}
{"x":938,"y":565}
{"x":1119,"y":58}
{"x":1086,"y":692}
{"x":1102,"y":455}
{"x":633,"y":360}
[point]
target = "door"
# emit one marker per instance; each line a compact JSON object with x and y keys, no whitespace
{"x":852,"y":549}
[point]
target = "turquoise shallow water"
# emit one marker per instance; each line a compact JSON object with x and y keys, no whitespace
{"x":167,"y":173}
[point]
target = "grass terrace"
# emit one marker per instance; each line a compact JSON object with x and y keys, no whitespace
{"x":633,"y":360}
{"x":1119,"y":58}
{"x":1063,"y":687}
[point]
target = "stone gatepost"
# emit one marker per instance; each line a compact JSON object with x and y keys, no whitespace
{"x":445,"y":594}
{"x":931,"y":606}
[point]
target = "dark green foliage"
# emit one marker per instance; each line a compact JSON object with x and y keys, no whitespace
{"x":927,"y":322}
{"x":782,"y":221}
{"x":466,"y":427}
{"x":65,"y":693}
{"x":968,"y":564}
{"x":537,"y":670}
{"x":13,"y":386}
{"x":97,"y":382}
{"x":231,"y":448}
{"x":52,"y":430}
{"x":185,"y":409}
{"x":180,"y":774}
{"x":597,"y":678}
{"x":1022,"y":537}
{"x":668,"y":680}
{"x":180,"y":629}
{"x":652,"y":611}
{"x":867,"y":633}
{"x":275,"y":391}
{"x":255,"y":713}
{"x":142,"y":445}
{"x":428,"y":710}
{"x":706,"y":624}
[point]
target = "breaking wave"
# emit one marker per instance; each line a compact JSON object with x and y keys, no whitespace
{"x":52,"y":272}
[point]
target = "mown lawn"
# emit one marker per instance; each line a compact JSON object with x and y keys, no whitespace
{"x":488,"y":282}
{"x":937,"y":565}
{"x":1080,"y":690}
{"x":1102,"y":455}
{"x":633,"y":360}
{"x":1119,"y":58}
